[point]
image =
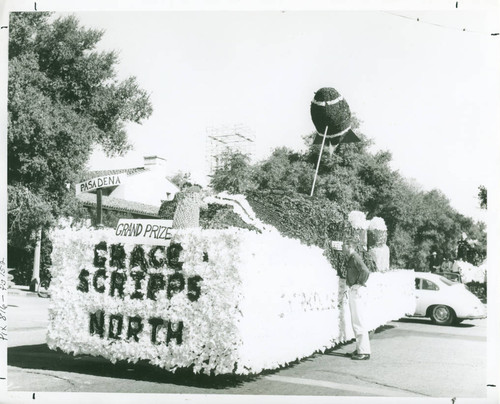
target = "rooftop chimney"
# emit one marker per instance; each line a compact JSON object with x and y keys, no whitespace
{"x":155,"y":163}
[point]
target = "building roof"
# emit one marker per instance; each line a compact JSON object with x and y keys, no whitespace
{"x":99,"y":173}
{"x":171,"y":187}
{"x":122,"y":205}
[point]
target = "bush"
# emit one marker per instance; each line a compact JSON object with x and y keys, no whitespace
{"x":479,"y":289}
{"x":312,"y":220}
{"x":167,"y":209}
{"x":217,"y":216}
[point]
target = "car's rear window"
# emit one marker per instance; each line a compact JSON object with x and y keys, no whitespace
{"x":446,"y":281}
{"x":429,"y":285}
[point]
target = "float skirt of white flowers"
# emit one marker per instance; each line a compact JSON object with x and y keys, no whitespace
{"x":240,"y":302}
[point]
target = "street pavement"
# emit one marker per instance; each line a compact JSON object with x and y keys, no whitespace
{"x":410,"y":358}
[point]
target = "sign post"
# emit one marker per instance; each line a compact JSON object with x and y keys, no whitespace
{"x":99,"y":209}
{"x":337,"y":245}
{"x":97,"y":184}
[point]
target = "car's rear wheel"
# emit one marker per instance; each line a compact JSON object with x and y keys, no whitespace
{"x":442,"y":315}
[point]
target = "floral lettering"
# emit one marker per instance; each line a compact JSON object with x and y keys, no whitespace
{"x":97,"y":323}
{"x":157,"y":256}
{"x":117,"y":283}
{"x":173,"y":256}
{"x":174,"y":330}
{"x":176,"y":284}
{"x":117,"y":256}
{"x":155,"y":323}
{"x":193,"y":287}
{"x":135,"y":326}
{"x":115,"y":326}
{"x":99,"y":285}
{"x":83,"y":286}
{"x":137,"y":276}
{"x":100,"y":251}
{"x":138,"y":258}
{"x":155,"y":284}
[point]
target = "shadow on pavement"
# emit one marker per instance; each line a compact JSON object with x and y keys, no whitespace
{"x":342,"y":355}
{"x":331,"y":351}
{"x":383,"y":328}
{"x":429,"y":322}
{"x":42,"y":358}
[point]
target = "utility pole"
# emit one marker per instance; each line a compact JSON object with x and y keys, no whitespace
{"x":35,"y":279}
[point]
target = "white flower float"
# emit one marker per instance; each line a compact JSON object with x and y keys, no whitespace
{"x":218,"y":301}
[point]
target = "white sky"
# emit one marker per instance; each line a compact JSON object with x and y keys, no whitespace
{"x":430,"y":95}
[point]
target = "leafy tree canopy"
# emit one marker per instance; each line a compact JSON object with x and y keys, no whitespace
{"x":64,"y":97}
{"x":483,"y":197}
{"x":234,"y":174}
{"x":181,"y":179}
{"x":351,"y":178}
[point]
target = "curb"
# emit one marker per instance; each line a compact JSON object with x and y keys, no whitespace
{"x":19,"y":292}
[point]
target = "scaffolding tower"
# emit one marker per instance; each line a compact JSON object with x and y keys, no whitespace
{"x":236,"y":138}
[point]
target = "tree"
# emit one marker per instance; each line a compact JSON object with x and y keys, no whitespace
{"x":351,"y":178}
{"x":63,"y":98}
{"x":483,"y":197}
{"x":235,"y":173}
{"x":284,"y":170}
{"x":181,"y":179}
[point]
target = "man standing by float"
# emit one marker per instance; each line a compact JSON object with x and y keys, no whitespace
{"x":356,"y":276}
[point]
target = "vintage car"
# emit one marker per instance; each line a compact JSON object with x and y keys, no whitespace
{"x":445,"y":301}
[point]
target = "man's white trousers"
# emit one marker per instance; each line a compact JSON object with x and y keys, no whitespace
{"x":359,"y":310}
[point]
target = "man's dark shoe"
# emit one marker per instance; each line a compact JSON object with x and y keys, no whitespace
{"x":360,"y":357}
{"x":351,"y":354}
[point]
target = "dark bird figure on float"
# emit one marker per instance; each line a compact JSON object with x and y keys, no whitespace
{"x":331,"y":116}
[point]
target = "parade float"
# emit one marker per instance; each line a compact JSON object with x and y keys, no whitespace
{"x":217,"y":301}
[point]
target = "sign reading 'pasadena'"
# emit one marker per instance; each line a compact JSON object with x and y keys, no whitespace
{"x":141,"y":231}
{"x":100,"y":182}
